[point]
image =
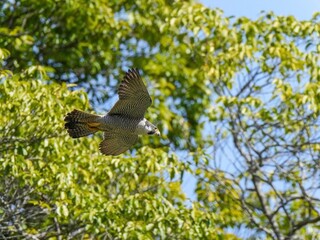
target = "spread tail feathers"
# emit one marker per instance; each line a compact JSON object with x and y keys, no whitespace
{"x":80,"y":124}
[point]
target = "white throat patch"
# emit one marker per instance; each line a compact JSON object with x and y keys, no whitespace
{"x":143,"y":128}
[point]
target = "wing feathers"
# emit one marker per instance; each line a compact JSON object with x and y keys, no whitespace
{"x":116,"y":143}
{"x":134,"y":98}
{"x":131,"y":85}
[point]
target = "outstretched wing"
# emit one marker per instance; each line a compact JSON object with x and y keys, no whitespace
{"x":134,"y":98}
{"x":116,"y":143}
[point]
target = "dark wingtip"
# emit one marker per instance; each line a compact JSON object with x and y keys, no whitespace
{"x":134,"y":71}
{"x":131,"y":74}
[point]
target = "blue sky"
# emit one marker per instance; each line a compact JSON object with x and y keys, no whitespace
{"x":301,"y":9}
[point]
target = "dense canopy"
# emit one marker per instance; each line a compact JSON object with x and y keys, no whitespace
{"x":237,"y":102}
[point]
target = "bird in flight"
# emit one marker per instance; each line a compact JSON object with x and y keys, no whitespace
{"x":123,"y":123}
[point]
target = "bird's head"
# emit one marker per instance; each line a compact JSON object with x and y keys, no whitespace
{"x":155,"y":131}
{"x":151,"y":129}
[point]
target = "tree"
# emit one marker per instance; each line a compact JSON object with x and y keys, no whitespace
{"x":52,"y":186}
{"x":237,"y":104}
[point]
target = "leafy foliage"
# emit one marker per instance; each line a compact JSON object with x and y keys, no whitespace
{"x":63,"y":187}
{"x":237,"y":102}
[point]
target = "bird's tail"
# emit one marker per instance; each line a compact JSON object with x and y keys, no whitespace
{"x":80,"y":124}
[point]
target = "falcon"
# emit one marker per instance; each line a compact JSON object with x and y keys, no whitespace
{"x":123,"y":123}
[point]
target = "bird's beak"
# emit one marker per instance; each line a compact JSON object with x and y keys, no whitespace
{"x":157,"y":132}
